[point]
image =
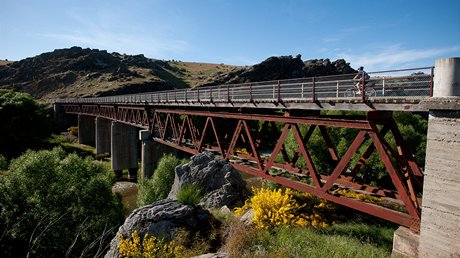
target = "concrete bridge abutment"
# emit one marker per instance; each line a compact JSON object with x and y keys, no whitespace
{"x":124,"y":150}
{"x":440,"y":225}
{"x":440,"y":221}
{"x":86,"y":130}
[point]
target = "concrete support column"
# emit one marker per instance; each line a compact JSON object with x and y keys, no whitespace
{"x":59,"y":120}
{"x":440,"y":224}
{"x":86,"y":130}
{"x":103,"y":135}
{"x":149,"y":149}
{"x":124,"y":150}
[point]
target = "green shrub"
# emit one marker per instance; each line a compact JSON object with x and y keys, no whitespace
{"x":190,"y":194}
{"x":25,"y":123}
{"x":3,"y":162}
{"x":159,"y":185}
{"x":52,"y":203}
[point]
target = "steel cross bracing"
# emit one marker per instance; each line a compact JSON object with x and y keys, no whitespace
{"x":241,"y":141}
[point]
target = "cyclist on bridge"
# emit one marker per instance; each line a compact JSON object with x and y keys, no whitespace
{"x":361,"y":79}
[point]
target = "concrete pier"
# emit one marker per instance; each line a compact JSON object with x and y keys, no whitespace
{"x":440,"y":225}
{"x":103,"y":132}
{"x":124,"y":150}
{"x":148,"y":161}
{"x":86,"y":130}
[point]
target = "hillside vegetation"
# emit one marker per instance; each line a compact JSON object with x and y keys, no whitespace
{"x":77,"y":72}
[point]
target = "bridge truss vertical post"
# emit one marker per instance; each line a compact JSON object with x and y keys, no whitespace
{"x":279,"y":92}
{"x":313,"y":87}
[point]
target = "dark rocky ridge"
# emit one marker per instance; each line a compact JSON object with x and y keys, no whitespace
{"x":283,"y":67}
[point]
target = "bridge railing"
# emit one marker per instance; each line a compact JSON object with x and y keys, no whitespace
{"x":406,"y":83}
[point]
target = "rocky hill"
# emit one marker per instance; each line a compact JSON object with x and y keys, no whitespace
{"x":283,"y":67}
{"x":90,"y":72}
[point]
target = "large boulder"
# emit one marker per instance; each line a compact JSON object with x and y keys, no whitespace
{"x":162,"y":219}
{"x":221,"y":183}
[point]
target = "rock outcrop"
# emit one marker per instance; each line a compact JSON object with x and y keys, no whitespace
{"x":280,"y":68}
{"x":162,"y":219}
{"x":222,"y":184}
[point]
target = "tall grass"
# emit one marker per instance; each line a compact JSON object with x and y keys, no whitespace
{"x":190,"y":194}
{"x":339,"y":240}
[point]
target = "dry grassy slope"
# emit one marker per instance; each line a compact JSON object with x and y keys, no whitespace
{"x":195,"y":74}
{"x":77,"y":72}
{"x":4,"y":62}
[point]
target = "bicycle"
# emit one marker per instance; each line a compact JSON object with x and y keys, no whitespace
{"x":356,"y":91}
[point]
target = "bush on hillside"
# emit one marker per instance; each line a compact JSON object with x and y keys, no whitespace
{"x":53,"y":204}
{"x":25,"y":123}
{"x":158,"y":186}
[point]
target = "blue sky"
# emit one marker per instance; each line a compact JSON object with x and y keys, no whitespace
{"x":378,"y":35}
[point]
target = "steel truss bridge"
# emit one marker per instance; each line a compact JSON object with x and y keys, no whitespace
{"x":223,"y":119}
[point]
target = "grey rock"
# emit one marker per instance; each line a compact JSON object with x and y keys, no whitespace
{"x":247,"y":217}
{"x":222,"y":184}
{"x":161,"y":219}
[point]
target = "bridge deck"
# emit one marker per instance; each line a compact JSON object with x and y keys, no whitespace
{"x":397,"y":90}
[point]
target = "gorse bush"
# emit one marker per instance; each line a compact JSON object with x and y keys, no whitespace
{"x":53,"y":204}
{"x":73,"y":130}
{"x":190,"y":194}
{"x":159,"y":185}
{"x":148,"y":246}
{"x":279,"y":207}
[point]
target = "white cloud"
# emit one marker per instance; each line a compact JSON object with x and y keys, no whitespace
{"x":394,"y":57}
{"x":124,"y":43}
{"x":104,"y":31}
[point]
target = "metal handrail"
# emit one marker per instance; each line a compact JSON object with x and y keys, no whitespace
{"x":301,"y":89}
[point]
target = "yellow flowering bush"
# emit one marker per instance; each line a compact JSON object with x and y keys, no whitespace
{"x":277,"y":207}
{"x":359,"y":196}
{"x":150,"y":247}
{"x":73,"y":130}
{"x":241,"y":150}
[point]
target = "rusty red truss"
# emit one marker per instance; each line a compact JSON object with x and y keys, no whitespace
{"x":179,"y":129}
{"x":131,"y":115}
{"x":256,"y":144}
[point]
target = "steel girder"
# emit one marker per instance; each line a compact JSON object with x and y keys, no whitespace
{"x":195,"y":131}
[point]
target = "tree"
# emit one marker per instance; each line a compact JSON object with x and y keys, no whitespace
{"x":25,"y":123}
{"x":52,"y":203}
{"x":413,"y":128}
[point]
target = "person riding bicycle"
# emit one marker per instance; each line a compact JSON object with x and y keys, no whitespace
{"x":360,"y":77}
